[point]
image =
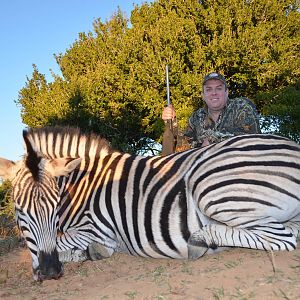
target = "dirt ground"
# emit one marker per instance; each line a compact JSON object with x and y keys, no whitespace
{"x":232,"y":274}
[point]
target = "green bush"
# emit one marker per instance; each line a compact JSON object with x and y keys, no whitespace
{"x":7,"y":213}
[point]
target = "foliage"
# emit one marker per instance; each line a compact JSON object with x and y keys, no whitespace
{"x":113,"y":79}
{"x":7,"y":212}
{"x":6,"y":205}
{"x":283,"y":113}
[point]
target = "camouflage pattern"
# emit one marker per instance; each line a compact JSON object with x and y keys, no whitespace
{"x":238,"y":117}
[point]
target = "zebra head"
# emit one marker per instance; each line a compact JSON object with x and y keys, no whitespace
{"x":36,"y":198}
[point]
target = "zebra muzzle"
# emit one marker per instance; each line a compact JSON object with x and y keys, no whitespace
{"x":49,"y":266}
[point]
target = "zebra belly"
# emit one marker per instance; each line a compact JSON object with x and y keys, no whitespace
{"x":239,"y":214}
{"x":238,"y":204}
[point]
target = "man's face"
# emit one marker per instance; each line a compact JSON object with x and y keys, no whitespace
{"x":215,"y":94}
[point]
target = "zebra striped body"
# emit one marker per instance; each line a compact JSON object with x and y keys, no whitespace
{"x":242,"y":192}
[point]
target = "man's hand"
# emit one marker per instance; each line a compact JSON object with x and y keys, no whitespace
{"x":205,"y":143}
{"x":168,"y":113}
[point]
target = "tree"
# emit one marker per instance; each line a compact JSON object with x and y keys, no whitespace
{"x":113,"y":79}
{"x":283,"y":114}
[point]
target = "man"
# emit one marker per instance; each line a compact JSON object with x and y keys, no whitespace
{"x":221,"y":118}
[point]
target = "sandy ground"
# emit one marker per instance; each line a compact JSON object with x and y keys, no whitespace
{"x":232,"y":274}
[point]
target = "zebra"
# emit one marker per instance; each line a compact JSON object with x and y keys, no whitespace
{"x":73,"y":192}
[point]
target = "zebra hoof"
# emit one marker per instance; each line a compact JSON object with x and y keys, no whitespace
{"x":97,"y":251}
{"x":194,"y":252}
{"x":197,"y":246}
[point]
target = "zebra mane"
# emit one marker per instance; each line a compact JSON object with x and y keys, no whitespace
{"x":58,"y":141}
{"x":32,"y":159}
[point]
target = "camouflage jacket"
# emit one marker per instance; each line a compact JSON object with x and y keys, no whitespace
{"x":238,"y":117}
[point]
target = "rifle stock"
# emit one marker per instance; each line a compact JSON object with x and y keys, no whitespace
{"x":168,"y":143}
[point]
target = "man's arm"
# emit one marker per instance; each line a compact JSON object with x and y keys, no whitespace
{"x":246,"y":120}
{"x":189,"y":136}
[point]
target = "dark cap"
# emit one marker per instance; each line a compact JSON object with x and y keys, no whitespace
{"x":216,"y":76}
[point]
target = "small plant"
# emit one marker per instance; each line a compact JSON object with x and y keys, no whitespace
{"x":231,"y":264}
{"x":218,"y":293}
{"x":158,"y":272}
{"x":9,"y":232}
{"x":131,"y":294}
{"x":186,"y":268}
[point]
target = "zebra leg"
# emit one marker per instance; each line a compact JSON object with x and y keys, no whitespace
{"x":294,"y":226}
{"x":75,"y":255}
{"x":97,"y":251}
{"x":198,"y":244}
{"x":265,"y":236}
{"x":72,"y":238}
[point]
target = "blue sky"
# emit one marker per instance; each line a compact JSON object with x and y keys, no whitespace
{"x":32,"y":31}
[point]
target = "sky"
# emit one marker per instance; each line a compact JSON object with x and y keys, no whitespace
{"x":31,"y":32}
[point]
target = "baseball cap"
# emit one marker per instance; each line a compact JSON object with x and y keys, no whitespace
{"x":216,"y":76}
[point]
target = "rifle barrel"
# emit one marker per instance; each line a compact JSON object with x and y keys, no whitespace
{"x":168,"y":86}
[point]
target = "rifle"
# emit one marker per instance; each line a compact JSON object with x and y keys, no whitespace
{"x":169,"y":137}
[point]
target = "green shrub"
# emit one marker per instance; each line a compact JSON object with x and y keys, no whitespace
{"x":7,"y":213}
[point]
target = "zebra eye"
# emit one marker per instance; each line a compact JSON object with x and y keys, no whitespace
{"x":19,"y":211}
{"x":43,"y":198}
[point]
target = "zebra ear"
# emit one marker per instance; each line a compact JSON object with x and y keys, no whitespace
{"x":8,"y":168}
{"x":61,"y":166}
